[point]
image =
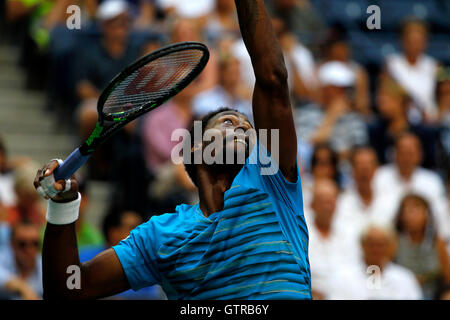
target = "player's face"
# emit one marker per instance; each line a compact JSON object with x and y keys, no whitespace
{"x":235,"y":129}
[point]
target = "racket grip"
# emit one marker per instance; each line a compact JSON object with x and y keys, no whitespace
{"x":70,"y":165}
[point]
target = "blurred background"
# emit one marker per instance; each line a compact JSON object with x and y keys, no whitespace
{"x":371,"y":106}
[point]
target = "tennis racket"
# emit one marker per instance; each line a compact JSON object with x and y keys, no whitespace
{"x":141,"y":87}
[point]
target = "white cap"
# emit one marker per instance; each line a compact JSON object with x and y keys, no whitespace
{"x":337,"y":74}
{"x":110,"y":9}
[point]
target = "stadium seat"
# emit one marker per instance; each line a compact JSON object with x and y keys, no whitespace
{"x":349,"y":13}
{"x":394,"y":12}
{"x":372,"y":47}
{"x":439,"y":47}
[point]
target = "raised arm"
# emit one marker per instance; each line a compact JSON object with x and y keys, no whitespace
{"x":100,"y":277}
{"x":271,"y":104}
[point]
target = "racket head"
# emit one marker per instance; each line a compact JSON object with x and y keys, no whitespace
{"x":139,"y":88}
{"x":151,"y":81}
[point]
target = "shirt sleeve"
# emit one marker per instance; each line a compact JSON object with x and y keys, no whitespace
{"x":137,"y":255}
{"x":264,"y":168}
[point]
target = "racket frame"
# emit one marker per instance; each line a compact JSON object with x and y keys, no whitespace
{"x":108,"y":125}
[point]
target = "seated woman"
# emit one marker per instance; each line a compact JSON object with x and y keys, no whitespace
{"x":420,"y":249}
{"x":393,"y":103}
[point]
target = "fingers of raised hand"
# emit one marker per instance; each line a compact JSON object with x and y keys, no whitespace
{"x":44,"y":181}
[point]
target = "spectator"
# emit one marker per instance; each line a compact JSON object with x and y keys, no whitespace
{"x":301,"y":18}
{"x":28,"y":205}
{"x":198,"y":9}
{"x":142,"y":12}
{"x":360,"y":205}
{"x":299,"y":63}
{"x":335,"y":121}
{"x":117,"y":225}
{"x":414,"y":70}
{"x":324,"y":165}
{"x":237,"y":49}
{"x":444,"y":293}
{"x":171,"y":183}
{"x":20,"y":265}
{"x":392,"y":104}
{"x":443,"y":103}
{"x":221,"y":23}
{"x":63,"y":48}
{"x":97,"y":65}
{"x":337,"y":48}
{"x":99,"y":62}
{"x":331,"y":247}
{"x":420,"y":248}
{"x":158,"y":126}
{"x":230,"y":92}
{"x":39,"y":18}
{"x":87,"y":234}
{"x":405,"y":175}
{"x":7,"y":195}
{"x":375,"y":277}
{"x":129,"y":172}
{"x":189,"y":30}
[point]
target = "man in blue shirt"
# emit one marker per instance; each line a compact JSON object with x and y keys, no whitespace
{"x":246,"y":238}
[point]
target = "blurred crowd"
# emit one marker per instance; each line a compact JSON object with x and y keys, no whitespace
{"x":373,"y":137}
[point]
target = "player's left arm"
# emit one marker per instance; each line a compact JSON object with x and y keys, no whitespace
{"x":271,"y":103}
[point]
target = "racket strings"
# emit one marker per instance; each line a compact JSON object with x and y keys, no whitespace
{"x":151,"y":82}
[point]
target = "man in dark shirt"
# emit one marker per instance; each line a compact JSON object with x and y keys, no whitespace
{"x":101,"y":60}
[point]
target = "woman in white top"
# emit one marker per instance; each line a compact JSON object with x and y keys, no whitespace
{"x":415,"y":71}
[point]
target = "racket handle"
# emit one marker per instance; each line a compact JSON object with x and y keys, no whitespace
{"x":70,"y":165}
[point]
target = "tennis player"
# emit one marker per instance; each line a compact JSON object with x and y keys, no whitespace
{"x":246,"y":239}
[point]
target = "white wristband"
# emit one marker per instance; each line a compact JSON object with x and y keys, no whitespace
{"x":63,"y":213}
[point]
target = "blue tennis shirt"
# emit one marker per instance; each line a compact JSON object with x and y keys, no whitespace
{"x":255,"y":248}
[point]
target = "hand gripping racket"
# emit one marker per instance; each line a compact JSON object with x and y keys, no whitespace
{"x":141,"y":87}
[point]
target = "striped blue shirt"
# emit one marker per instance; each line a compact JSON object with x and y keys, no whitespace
{"x":255,"y":248}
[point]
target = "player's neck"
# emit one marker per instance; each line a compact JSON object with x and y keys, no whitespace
{"x":211,"y":189}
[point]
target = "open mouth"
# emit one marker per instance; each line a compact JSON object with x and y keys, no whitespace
{"x":240,"y":140}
